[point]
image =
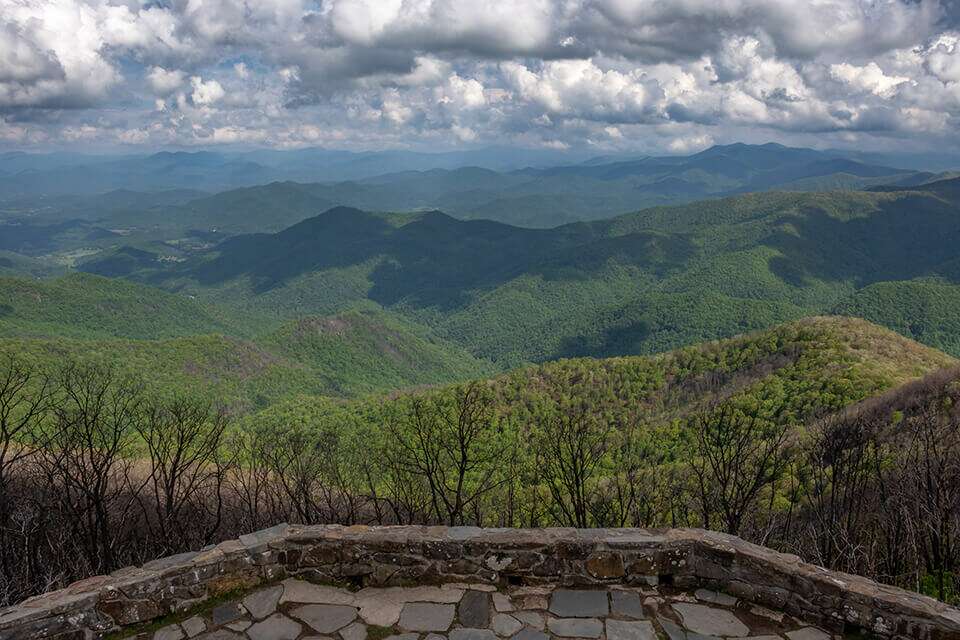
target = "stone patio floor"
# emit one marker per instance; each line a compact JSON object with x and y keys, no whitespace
{"x":298,"y":610}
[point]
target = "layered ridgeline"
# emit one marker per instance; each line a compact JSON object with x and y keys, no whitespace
{"x":641,"y":283}
{"x":181,"y":346}
{"x":794,"y":372}
{"x":163,"y":203}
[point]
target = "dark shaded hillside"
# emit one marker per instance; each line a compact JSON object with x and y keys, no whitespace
{"x":640,"y":283}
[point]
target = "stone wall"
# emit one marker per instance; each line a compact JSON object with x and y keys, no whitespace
{"x":392,"y":556}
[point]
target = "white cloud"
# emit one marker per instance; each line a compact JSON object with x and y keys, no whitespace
{"x":867,"y":78}
{"x":582,"y":89}
{"x":205,"y":93}
{"x":164,"y":82}
{"x":557,"y":72}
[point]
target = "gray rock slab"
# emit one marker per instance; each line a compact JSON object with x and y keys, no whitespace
{"x":403,"y":636}
{"x":530,"y":634}
{"x":262,"y":603}
{"x":575,"y":627}
{"x":501,"y":602}
{"x":710,"y":621}
{"x":715,"y":597}
{"x":325,"y":618}
{"x":276,"y":627}
{"x":194,"y":626}
{"x":505,"y":625}
{"x":808,"y":633}
{"x":531,"y":619}
{"x":472,"y":634}
{"x":225,"y":613}
{"x":221,"y":634}
{"x":474,"y":610}
{"x":169,"y":632}
{"x":626,"y":604}
{"x":672,"y":629}
{"x":303,"y":592}
{"x":573,"y":603}
{"x":426,"y":616}
{"x":355,"y":631}
{"x":239,"y":625}
{"x":630,"y":630}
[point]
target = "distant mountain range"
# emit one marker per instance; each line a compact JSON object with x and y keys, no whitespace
{"x":181,"y":211}
{"x":638,"y":283}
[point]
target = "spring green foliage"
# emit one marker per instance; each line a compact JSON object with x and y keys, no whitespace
{"x":85,"y":306}
{"x":578,"y":442}
{"x":179,"y":345}
{"x":924,"y":309}
{"x":641,"y":283}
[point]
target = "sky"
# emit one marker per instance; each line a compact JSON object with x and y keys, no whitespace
{"x":606,"y":75}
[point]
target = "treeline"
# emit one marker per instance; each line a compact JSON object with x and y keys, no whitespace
{"x":96,"y":473}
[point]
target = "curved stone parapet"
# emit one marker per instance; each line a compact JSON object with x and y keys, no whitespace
{"x":408,"y":555}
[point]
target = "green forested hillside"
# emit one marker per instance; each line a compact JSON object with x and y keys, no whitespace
{"x":359,"y":352}
{"x":928,"y":310}
{"x":813,"y":365}
{"x":641,"y":283}
{"x":178,"y":345}
{"x":86,"y":306}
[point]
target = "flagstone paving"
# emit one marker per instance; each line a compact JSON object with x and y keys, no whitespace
{"x":299,"y":610}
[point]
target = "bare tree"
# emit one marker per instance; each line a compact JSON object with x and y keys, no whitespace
{"x":737,"y":456}
{"x":572,"y":438}
{"x":932,"y":471}
{"x":88,"y":457}
{"x":24,"y":400}
{"x":184,"y":505}
{"x":456,"y":444}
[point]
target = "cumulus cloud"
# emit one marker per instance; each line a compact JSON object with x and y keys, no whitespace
{"x":608,"y":73}
{"x":164,"y":82}
{"x":205,"y":92}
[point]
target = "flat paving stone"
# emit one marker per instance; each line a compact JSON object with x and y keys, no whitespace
{"x":225,"y":613}
{"x":572,"y":603}
{"x":474,"y":609}
{"x":276,"y":627}
{"x":403,"y":636}
{"x":575,"y":627}
{"x":355,"y":631}
{"x":262,"y":603}
{"x":627,"y":604}
{"x":672,"y":629}
{"x":630,"y":630}
{"x":530,"y":634}
{"x":325,"y":618}
{"x":715,"y":597}
{"x":808,"y":633}
{"x":472,"y":634}
{"x":302,"y":592}
{"x":221,"y":634}
{"x":531,"y":619}
{"x":170,"y":632}
{"x":194,"y":626}
{"x":711,"y":621}
{"x":505,"y":625}
{"x":501,"y":602}
{"x":239,"y":625}
{"x":426,"y":616}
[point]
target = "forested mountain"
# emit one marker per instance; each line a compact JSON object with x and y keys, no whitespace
{"x":243,"y":360}
{"x":163,"y":203}
{"x":640,"y":283}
